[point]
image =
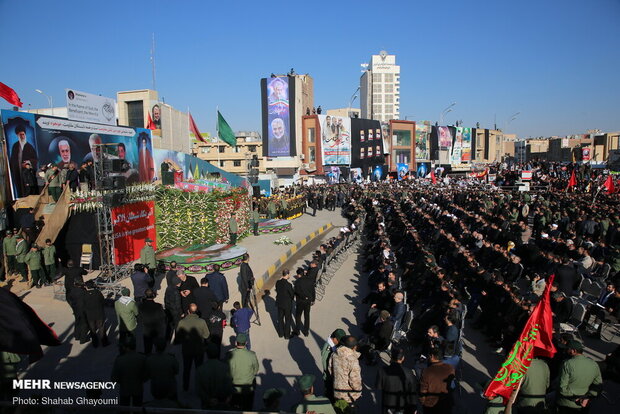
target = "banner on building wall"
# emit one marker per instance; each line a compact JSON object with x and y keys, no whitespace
{"x":403,"y":170}
{"x":445,"y":137}
{"x":335,"y":139}
{"x":465,"y":144}
{"x":423,"y":169}
{"x":356,"y":175}
{"x":278,"y":125}
{"x":41,"y":140}
{"x":86,"y":107}
{"x":422,"y":140}
{"x":457,"y":147}
{"x":132,"y":224}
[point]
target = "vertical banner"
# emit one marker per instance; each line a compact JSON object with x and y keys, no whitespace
{"x":132,"y":224}
{"x":335,"y":139}
{"x":277,"y":135}
{"x":402,"y":170}
{"x":456,"y":148}
{"x":445,"y":138}
{"x":423,"y":169}
{"x":356,"y":175}
{"x":466,"y":145}
{"x":422,"y":138}
{"x":585,"y":154}
{"x":378,"y":173}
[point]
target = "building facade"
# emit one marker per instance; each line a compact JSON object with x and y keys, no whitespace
{"x":380,"y":88}
{"x":233,"y":159}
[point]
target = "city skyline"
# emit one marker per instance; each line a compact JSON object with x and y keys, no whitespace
{"x":556,"y":67}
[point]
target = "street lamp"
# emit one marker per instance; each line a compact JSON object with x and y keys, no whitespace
{"x":353,"y":97}
{"x":50,"y":101}
{"x":445,"y":111}
{"x":512,"y":118}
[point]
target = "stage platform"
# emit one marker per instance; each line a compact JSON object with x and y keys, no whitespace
{"x":200,"y":258}
{"x":274,"y":226}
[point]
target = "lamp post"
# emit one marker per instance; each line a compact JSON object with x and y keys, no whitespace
{"x":50,"y":101}
{"x":353,"y":97}
{"x":445,"y":112}
{"x":512,"y":118}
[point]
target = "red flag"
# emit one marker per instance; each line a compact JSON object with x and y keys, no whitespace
{"x":194,"y":129}
{"x":433,"y":178}
{"x":535,"y":340}
{"x":10,"y":95}
{"x":573,"y":180}
{"x":609,"y":185}
{"x":149,"y":123}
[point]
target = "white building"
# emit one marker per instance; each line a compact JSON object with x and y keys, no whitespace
{"x":380,"y":88}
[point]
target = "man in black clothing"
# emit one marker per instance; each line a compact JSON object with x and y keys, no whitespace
{"x":172,"y":272}
{"x":72,"y":274}
{"x":304,"y":299}
{"x":188,"y":285}
{"x":29,"y":180}
{"x":95,"y":314}
{"x":563,"y":308}
{"x":313,"y":271}
{"x":204,"y":298}
{"x":246,"y":281}
{"x":76,"y":297}
{"x":398,"y":385}
{"x":153,"y":320}
{"x":284,"y":302}
{"x":173,"y":307}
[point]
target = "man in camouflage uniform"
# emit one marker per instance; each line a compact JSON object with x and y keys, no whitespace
{"x":344,"y":367}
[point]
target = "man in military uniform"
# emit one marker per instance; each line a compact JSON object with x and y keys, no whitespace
{"x":580,"y":380}
{"x":243,"y":369}
{"x":9,"y":245}
{"x":49,"y":260}
{"x":33,"y":260}
{"x":191,"y":334}
{"x":271,"y":209}
{"x":21,"y":250}
{"x":52,"y":177}
{"x":233,"y":228}
{"x":311,"y":402}
{"x":255,"y":219}
{"x":531,"y":398}
{"x":344,"y":367}
{"x":147,"y":257}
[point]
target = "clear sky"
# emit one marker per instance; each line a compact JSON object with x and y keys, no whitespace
{"x":557,"y":62}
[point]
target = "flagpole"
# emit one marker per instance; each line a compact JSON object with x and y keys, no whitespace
{"x":513,"y":398}
{"x":217,"y":135}
{"x":189,"y":137}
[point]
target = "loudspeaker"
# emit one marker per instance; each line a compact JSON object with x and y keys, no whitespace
{"x":255,"y":191}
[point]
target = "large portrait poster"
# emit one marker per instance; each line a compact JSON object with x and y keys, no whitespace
{"x":422,"y":137}
{"x":445,"y":138}
{"x":42,"y":140}
{"x":132,"y":224}
{"x":466,"y":145}
{"x":278,"y":118}
{"x":457,"y":147}
{"x":335,"y":139}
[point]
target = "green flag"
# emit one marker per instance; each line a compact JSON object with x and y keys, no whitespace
{"x":224,"y":131}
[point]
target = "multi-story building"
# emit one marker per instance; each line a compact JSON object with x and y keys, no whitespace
{"x":172,"y":126}
{"x":233,"y":159}
{"x":380,"y":88}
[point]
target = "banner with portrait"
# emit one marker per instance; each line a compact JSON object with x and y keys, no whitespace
{"x":132,"y":224}
{"x":335,"y":139}
{"x":402,"y":170}
{"x":39,"y":140}
{"x":278,"y":125}
{"x":457,"y":147}
{"x":423,"y":169}
{"x":444,"y":137}
{"x":356,"y":175}
{"x":422,"y":137}
{"x":465,"y":145}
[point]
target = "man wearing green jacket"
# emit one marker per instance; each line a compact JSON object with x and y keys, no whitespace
{"x":311,"y":403}
{"x":531,"y":398}
{"x":233,"y":228}
{"x":9,"y":245}
{"x":192,"y":332}
{"x":33,"y":260}
{"x":255,"y":219}
{"x":127,"y":314}
{"x":580,"y":380}
{"x":243,"y":369}
{"x":147,"y":256}
{"x":21,"y":250}
{"x":271,"y":209}
{"x":52,"y":176}
{"x":49,"y":260}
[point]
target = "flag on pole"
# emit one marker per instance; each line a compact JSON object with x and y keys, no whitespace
{"x":535,"y":341}
{"x":194,"y":129}
{"x":225,"y":133}
{"x":149,"y":123}
{"x":573,"y":181}
{"x":10,"y":95}
{"x":609,"y":185}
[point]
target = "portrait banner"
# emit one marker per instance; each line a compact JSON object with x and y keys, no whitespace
{"x":445,"y":138}
{"x":422,"y":138}
{"x":335,"y":139}
{"x":278,"y":117}
{"x":466,"y":145}
{"x":403,"y":170}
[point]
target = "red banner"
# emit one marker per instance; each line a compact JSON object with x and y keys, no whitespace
{"x":132,"y":223}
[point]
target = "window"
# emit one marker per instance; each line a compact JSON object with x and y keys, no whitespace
{"x":222,"y":163}
{"x":205,"y":150}
{"x":237,"y":149}
{"x":376,"y":88}
{"x":389,"y":78}
{"x":402,"y":138}
{"x":376,"y":77}
{"x":312,"y":154}
{"x":222,"y":149}
{"x":311,"y":134}
{"x":377,"y":109}
{"x":401,"y":156}
{"x":135,"y":114}
{"x":389,"y":88}
{"x":377,"y":98}
{"x":389,"y":109}
{"x":237,"y":163}
{"x":252,"y":148}
{"x":389,"y":99}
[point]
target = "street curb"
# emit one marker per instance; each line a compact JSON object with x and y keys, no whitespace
{"x":271,"y":270}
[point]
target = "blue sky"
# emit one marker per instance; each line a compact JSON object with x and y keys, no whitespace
{"x":554,"y":61}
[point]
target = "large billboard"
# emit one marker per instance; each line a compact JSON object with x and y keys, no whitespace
{"x":445,"y":137}
{"x":86,"y":107}
{"x":278,"y":117}
{"x":422,"y":140}
{"x":42,"y":139}
{"x":457,"y":147}
{"x":335,"y":139}
{"x":466,"y":145}
{"x":132,"y":224}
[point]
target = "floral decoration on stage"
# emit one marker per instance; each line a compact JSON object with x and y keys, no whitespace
{"x":90,"y":201}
